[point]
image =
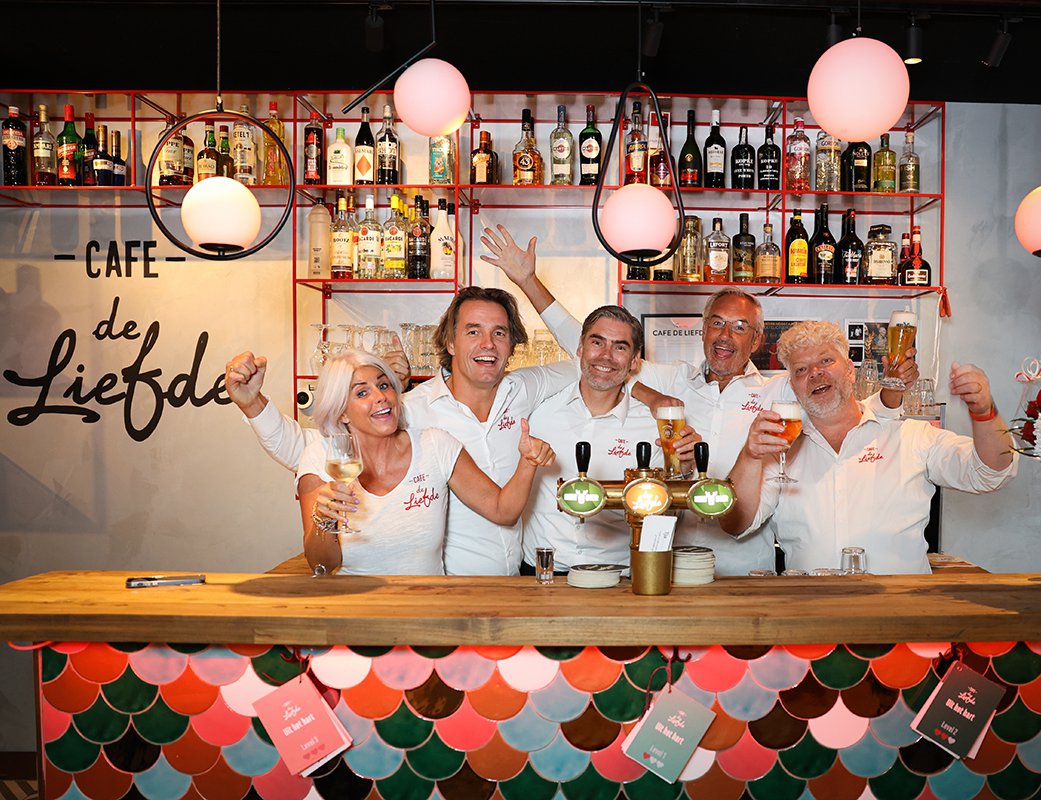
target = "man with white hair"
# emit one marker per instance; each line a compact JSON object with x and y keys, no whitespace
{"x":860,"y":482}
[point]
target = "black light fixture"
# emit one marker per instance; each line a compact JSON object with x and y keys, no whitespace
{"x":913,"y":47}
{"x":833,"y":34}
{"x":653,"y":30}
{"x":374,"y":29}
{"x":998,"y":45}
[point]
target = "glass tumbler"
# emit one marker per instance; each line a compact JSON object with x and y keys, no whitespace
{"x":854,"y":561}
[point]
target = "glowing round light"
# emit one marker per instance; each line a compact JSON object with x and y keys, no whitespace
{"x":638,"y":219}
{"x":432,"y":97}
{"x":858,"y":89}
{"x":1028,"y":222}
{"x":220,"y":214}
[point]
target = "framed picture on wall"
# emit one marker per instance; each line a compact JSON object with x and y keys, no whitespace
{"x":765,"y":358}
{"x":672,"y":337}
{"x":867,"y":340}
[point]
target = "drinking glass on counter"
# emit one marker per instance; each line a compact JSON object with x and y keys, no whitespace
{"x":544,"y":565}
{"x":671,"y":420}
{"x":903,"y":325}
{"x":854,"y":561}
{"x":791,"y":417}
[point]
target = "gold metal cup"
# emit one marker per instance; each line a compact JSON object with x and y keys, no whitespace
{"x":651,"y":572}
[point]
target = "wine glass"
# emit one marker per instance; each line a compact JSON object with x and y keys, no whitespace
{"x":343,"y":463}
{"x":320,"y":354}
{"x":791,"y":416}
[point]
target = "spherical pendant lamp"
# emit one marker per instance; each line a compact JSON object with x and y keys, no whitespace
{"x":220,"y":215}
{"x":1028,"y":222}
{"x":858,"y":89}
{"x":432,"y":97}
{"x":638,"y":219}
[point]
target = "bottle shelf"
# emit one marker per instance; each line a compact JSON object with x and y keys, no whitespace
{"x":810,"y":290}
{"x":72,"y":196}
{"x":546,"y":195}
{"x":371,"y":286}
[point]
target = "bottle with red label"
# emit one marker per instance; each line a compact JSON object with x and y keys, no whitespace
{"x":915,"y":271}
{"x":314,"y":151}
{"x":15,"y":164}
{"x":68,"y":150}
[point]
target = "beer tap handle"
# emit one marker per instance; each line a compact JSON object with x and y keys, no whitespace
{"x":643,"y":455}
{"x":583,"y":452}
{"x":701,"y":458}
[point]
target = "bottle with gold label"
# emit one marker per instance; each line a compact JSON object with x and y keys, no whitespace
{"x":484,"y":162}
{"x":797,"y":251}
{"x":687,"y":261}
{"x":395,"y":234}
{"x":884,"y":168}
{"x":341,"y":263}
{"x":910,"y":177}
{"x":527,"y":160}
{"x":768,"y":258}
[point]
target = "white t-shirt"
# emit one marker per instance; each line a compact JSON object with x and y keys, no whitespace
{"x":403,"y":531}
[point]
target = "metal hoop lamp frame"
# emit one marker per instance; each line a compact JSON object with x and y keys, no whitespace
{"x":231,"y":252}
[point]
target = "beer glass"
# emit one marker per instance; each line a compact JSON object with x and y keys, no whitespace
{"x":671,"y":420}
{"x":791,"y":418}
{"x":903,"y":325}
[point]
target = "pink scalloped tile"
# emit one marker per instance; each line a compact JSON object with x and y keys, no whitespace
{"x":746,"y":760}
{"x":465,"y":730}
{"x":928,"y":650}
{"x":341,"y":667}
{"x":241,"y":694}
{"x":53,"y":722}
{"x":717,"y":670}
{"x":700,"y":763}
{"x":839,"y":727}
{"x":1035,"y":646}
{"x":528,"y":670}
{"x":614,"y":765}
{"x":280,"y":784}
{"x":402,"y":668}
{"x":98,"y":662}
{"x":218,"y":665}
{"x":158,"y":664}
{"x":465,"y":669}
{"x":220,"y":725}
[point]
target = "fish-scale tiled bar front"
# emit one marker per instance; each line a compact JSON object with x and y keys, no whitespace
{"x":536,"y":692}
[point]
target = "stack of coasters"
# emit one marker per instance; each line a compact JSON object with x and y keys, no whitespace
{"x":693,"y":565}
{"x":594,"y":576}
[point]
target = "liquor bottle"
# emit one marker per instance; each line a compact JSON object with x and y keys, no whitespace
{"x":68,"y":143}
{"x":744,"y":253}
{"x":768,"y":258}
{"x":856,"y":168}
{"x":664,"y":272}
{"x":119,"y":166}
{"x":658,"y":161}
{"x":209,"y":157}
{"x":562,"y":151}
{"x":636,"y":149}
{"x":715,"y":156}
{"x":769,"y":162}
{"x":460,"y":243}
{"x":849,"y":254}
{"x":442,"y":245}
{"x":388,"y":151}
{"x":638,"y":272}
{"x":419,"y":242}
{"x":829,"y":163}
{"x":822,"y":249}
{"x":905,"y":247}
{"x":314,"y":151}
{"x":244,"y":150}
{"x":319,"y":241}
{"x":589,"y":143}
{"x":225,"y":163}
{"x":527,"y":160}
{"x":171,"y":160}
{"x":370,"y":242}
{"x":880,"y":255}
{"x":915,"y":271}
{"x":717,"y":253}
{"x":341,"y":264}
{"x":88,"y":149}
{"x":796,"y":251}
{"x":742,"y":164}
{"x":45,"y":152}
{"x":15,"y":163}
{"x":441,"y":159}
{"x":188,"y":158}
{"x":797,"y":159}
{"x":339,"y":169}
{"x":690,"y":157}
{"x":884,"y":170}
{"x":364,"y":152}
{"x":352,"y":222}
{"x":484,"y":162}
{"x":101,"y":164}
{"x":910,"y":174}
{"x":276,"y":172}
{"x":687,"y":261}
{"x":395,"y":234}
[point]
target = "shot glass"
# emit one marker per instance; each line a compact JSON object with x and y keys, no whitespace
{"x":544,"y":565}
{"x":762,"y":573}
{"x":854,"y":561}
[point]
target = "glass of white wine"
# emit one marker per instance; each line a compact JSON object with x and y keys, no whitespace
{"x":343,"y":463}
{"x":791,"y":418}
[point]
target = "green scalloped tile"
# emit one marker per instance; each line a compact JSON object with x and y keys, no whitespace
{"x":915,"y":696}
{"x":808,"y":759}
{"x":528,"y":785}
{"x":869,"y":651}
{"x":404,"y":729}
{"x":839,"y":669}
{"x":776,"y":784}
{"x":622,"y":702}
{"x":261,"y":731}
{"x":1019,"y":665}
{"x":405,"y":785}
{"x":897,"y":783}
{"x":560,"y":653}
{"x":370,"y":651}
{"x":1015,"y":782}
{"x":52,"y":664}
{"x":432,"y":652}
{"x":101,"y":723}
{"x":650,"y":787}
{"x":640,"y":671}
{"x":1018,"y":724}
{"x":188,"y":649}
{"x":590,"y":785}
{"x":435,"y":760}
{"x":160,"y":724}
{"x":70,"y":752}
{"x":129,"y":647}
{"x":129,"y":694}
{"x":272,"y":668}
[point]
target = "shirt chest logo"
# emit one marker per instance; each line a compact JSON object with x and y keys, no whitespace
{"x":870,"y":455}
{"x":620,"y":449}
{"x":421,"y":497}
{"x":506,"y":422}
{"x":752,"y":404}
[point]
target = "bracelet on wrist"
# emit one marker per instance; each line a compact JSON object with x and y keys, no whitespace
{"x":986,"y":416}
{"x":322,"y":524}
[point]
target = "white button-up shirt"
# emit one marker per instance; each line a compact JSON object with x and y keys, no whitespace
{"x":874,"y":493}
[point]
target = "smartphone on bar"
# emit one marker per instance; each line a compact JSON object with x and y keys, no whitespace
{"x":164,"y":580}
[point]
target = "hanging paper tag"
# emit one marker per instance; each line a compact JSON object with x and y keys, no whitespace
{"x":303,"y":728}
{"x":666,"y":736}
{"x":959,"y":711}
{"x":657,"y":533}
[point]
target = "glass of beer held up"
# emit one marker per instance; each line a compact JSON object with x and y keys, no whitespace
{"x":791,"y":418}
{"x":903,"y":325}
{"x":671,"y":420}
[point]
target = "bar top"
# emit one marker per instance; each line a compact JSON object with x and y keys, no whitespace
{"x":386,"y":610}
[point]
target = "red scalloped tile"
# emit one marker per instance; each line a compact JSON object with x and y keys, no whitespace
{"x":614,"y":765}
{"x":372,"y":698}
{"x":591,"y":671}
{"x":746,"y":760}
{"x":810,"y":652}
{"x":724,"y":732}
{"x":102,"y":781}
{"x":221,"y":782}
{"x":496,"y":760}
{"x":280,"y":784}
{"x":497,"y":699}
{"x":219,"y":725}
{"x":994,"y":755}
{"x":99,"y":663}
{"x":838,"y":783}
{"x":68,"y":648}
{"x":1031,"y":694}
{"x":189,"y":694}
{"x":497,"y":652}
{"x":991,"y":648}
{"x":717,"y":785}
{"x":717,"y":670}
{"x":71,"y":693}
{"x":190,"y":754}
{"x":900,"y":668}
{"x":249,"y":650}
{"x":56,"y":781}
{"x":465,"y":730}
{"x":53,"y":722}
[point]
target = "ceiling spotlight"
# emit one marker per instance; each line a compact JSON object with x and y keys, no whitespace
{"x":374,"y":30}
{"x":833,"y":33}
{"x":913,"y":48}
{"x":999,"y":44}
{"x":653,"y":29}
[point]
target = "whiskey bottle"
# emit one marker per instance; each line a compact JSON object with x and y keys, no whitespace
{"x":822,"y":249}
{"x":341,"y":264}
{"x":744,"y":253}
{"x":715,"y":156}
{"x":527,"y":160}
{"x":829,"y":159}
{"x":742,"y":165}
{"x":687,"y":261}
{"x":442,"y":245}
{"x":797,"y":159}
{"x":88,"y":149}
{"x":225,"y":163}
{"x":68,"y":142}
{"x":484,"y":162}
{"x":658,"y":161}
{"x":850,"y":251}
{"x":562,"y":151}
{"x":690,"y":158}
{"x":395,"y":235}
{"x":768,"y":258}
{"x":910,"y":174}
{"x":419,"y":242}
{"x":884,"y":169}
{"x":441,"y":159}
{"x":880,"y":255}
{"x":101,"y":164}
{"x":769,"y":162}
{"x":388,"y":151}
{"x":45,"y":152}
{"x":276,"y":173}
{"x":856,"y":168}
{"x":590,"y":142}
{"x":370,"y":244}
{"x":244,"y":150}
{"x":796,"y":251}
{"x":636,"y":149}
{"x":171,"y":160}
{"x":718,"y":254}
{"x":339,"y":169}
{"x":364,"y":152}
{"x":915,"y":271}
{"x":187,"y":157}
{"x":15,"y":165}
{"x":119,"y":166}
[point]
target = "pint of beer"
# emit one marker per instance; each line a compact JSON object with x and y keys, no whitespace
{"x":903,"y":325}
{"x":671,"y":420}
